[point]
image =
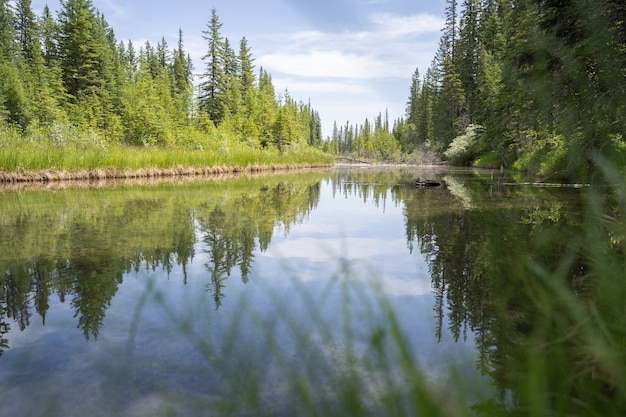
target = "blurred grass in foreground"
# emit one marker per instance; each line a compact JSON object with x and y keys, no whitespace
{"x":569,"y":355}
{"x":570,"y":360}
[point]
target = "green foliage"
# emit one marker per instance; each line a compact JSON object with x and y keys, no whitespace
{"x":545,"y":67}
{"x":488,"y":160}
{"x":214,"y":88}
{"x":13,"y":98}
{"x":72,"y":73}
{"x":543,"y":155}
{"x":466,"y":147}
{"x":364,"y":141}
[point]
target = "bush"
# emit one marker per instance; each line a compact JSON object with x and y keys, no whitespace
{"x":465,"y":148}
{"x":488,"y":160}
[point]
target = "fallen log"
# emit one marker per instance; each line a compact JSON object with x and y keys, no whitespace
{"x":426,"y":183}
{"x":351,"y":160}
{"x":547,"y":184}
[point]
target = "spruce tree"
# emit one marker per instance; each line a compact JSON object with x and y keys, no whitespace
{"x":232,"y":82}
{"x":13,"y":94}
{"x":450,"y":30}
{"x":267,"y":106}
{"x":83,"y":51}
{"x":28,"y":33}
{"x":213,"y":86}
{"x":7,"y":32}
{"x":49,"y":34}
{"x":42,"y":83}
{"x":414,"y":96}
{"x":428,"y":100}
{"x":468,"y":52}
{"x":246,"y":67}
{"x":163,"y":54}
{"x":181,"y":79}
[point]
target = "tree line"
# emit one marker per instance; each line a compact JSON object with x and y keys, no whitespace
{"x":70,"y":69}
{"x":536,"y":85}
{"x":368,"y":140}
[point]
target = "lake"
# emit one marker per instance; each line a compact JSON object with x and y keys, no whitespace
{"x":323,"y":292}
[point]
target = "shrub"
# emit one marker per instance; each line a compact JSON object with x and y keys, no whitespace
{"x":465,"y":148}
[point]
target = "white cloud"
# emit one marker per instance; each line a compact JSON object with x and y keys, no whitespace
{"x":330,"y":249}
{"x":322,"y":86}
{"x":119,"y":11}
{"x":331,"y":63}
{"x":368,"y":259}
{"x":386,"y":50}
{"x":395,"y":25}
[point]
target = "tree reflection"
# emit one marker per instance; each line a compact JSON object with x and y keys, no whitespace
{"x":220,"y":248}
{"x":478,"y":239}
{"x":79,"y":244}
{"x":478,"y":255}
{"x":230,"y":234}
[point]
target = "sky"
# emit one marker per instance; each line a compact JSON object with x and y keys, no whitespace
{"x":353,"y":59}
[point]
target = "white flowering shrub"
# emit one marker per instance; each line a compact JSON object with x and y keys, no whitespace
{"x":464,"y":147}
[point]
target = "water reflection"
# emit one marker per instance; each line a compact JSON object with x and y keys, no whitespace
{"x":79,"y":244}
{"x":473,"y":235}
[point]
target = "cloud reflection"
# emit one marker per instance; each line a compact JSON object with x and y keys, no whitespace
{"x":382,"y":260}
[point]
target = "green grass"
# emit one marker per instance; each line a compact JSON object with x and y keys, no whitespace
{"x":73,"y":151}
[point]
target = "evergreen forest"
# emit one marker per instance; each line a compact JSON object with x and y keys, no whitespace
{"x":534,"y":85}
{"x":66,"y":78}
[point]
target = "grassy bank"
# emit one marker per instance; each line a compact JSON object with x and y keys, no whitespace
{"x":87,"y":155}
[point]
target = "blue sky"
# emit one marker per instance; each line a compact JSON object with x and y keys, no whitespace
{"x":351,"y":58}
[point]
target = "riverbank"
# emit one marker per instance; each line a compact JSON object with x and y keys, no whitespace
{"x":53,"y":175}
{"x":22,"y":161}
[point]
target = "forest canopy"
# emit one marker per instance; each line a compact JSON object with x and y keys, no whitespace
{"x":536,"y":85}
{"x":69,"y":73}
{"x":533,"y":85}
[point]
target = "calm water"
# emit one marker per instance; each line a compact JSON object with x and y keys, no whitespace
{"x":216,"y":296}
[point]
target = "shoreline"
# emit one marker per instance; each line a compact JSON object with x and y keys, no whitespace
{"x":98,"y":174}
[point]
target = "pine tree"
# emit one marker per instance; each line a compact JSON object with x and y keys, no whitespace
{"x":452,"y":107}
{"x":43,"y":85}
{"x":428,"y":99}
{"x":79,"y":53}
{"x":246,"y":67}
{"x":468,"y":52}
{"x":232,"y":82}
{"x":163,"y":54}
{"x":450,"y":30}
{"x":247,"y":81}
{"x":148,"y":108}
{"x":7,"y":31}
{"x":129,"y":60}
{"x":414,"y":97}
{"x":213,"y":88}
{"x":315,"y":126}
{"x":49,"y":35}
{"x":13,"y":95}
{"x":181,"y":78}
{"x":85,"y":55}
{"x":267,"y":106}
{"x":408,"y":136}
{"x":28,"y":33}
{"x":112,"y":74}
